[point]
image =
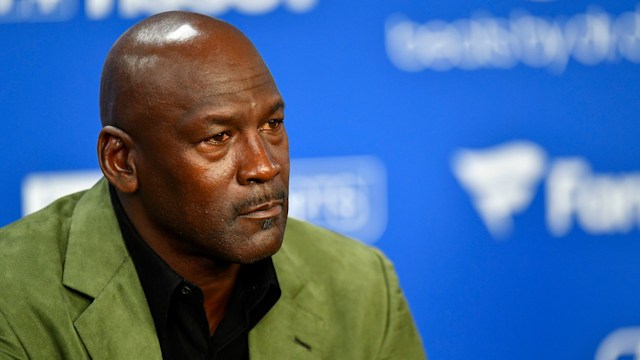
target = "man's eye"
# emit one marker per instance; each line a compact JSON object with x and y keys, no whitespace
{"x":218,"y":138}
{"x":272,"y":125}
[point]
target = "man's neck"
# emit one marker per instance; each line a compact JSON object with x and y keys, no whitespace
{"x":217,"y":293}
{"x":215,"y":279}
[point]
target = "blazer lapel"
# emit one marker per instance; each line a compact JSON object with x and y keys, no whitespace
{"x":117,"y":324}
{"x":294,"y":328}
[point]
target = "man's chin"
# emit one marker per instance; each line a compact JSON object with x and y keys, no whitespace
{"x":259,"y":246}
{"x":265,"y":248}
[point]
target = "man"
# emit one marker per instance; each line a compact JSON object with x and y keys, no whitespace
{"x":179,"y":253}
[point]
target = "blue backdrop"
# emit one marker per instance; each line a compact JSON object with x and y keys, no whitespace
{"x":489,"y":148}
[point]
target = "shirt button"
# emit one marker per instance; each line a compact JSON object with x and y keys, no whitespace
{"x":185,"y":290}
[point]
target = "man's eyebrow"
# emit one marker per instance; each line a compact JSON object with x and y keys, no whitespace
{"x":279,"y":105}
{"x":222,"y":117}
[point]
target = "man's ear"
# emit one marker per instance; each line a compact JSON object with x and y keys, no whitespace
{"x":116,"y":159}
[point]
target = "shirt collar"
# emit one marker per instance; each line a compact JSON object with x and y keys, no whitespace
{"x":158,"y":279}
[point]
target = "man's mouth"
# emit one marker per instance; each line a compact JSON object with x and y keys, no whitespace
{"x":261,"y":207}
{"x":263,"y":211}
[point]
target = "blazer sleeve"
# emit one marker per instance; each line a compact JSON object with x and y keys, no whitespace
{"x":10,"y":347}
{"x":401,"y":339}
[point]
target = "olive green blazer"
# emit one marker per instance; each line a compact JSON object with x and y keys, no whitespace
{"x":69,"y":290}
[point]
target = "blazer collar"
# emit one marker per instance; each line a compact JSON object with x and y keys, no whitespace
{"x":295,"y":326}
{"x":117,"y":324}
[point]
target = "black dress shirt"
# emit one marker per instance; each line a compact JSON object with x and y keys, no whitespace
{"x":177,"y":306}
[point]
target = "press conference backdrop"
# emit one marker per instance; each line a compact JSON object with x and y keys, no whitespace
{"x":489,"y":148}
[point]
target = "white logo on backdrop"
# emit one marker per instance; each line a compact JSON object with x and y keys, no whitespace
{"x":63,"y":10}
{"x":500,"y":180}
{"x":503,"y":180}
{"x":345,"y":194}
{"x":99,"y":9}
{"x":483,"y":41}
{"x":622,"y":342}
{"x":600,"y":203}
{"x":37,"y":10}
{"x":41,"y":189}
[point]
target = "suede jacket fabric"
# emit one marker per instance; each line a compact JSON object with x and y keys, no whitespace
{"x":70,"y":291}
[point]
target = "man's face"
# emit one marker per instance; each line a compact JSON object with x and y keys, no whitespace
{"x":213,"y":164}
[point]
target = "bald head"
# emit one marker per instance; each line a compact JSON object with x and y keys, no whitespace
{"x":161,"y":57}
{"x":193,"y":140}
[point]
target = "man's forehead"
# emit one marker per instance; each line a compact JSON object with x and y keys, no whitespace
{"x":177,"y":58}
{"x":206,"y":76}
{"x":257,"y":89}
{"x":183,"y":51}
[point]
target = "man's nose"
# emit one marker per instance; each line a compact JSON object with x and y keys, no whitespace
{"x":257,"y":164}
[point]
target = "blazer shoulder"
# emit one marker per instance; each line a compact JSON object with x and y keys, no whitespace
{"x":353,"y":288}
{"x":32,"y":255}
{"x":38,"y":236}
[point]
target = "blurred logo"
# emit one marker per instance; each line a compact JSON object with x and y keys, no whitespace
{"x":620,"y":344}
{"x":502,"y":181}
{"x":345,"y":194}
{"x":590,"y":38}
{"x":14,"y":11}
{"x":41,"y":189}
{"x":601,"y":204}
{"x":100,"y":9}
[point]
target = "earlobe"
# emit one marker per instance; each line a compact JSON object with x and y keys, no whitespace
{"x":116,"y":159}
